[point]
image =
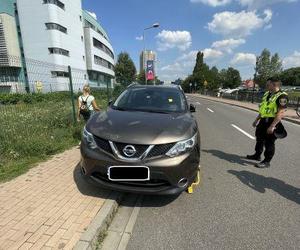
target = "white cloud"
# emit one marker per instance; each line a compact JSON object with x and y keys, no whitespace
{"x":184,"y":64}
{"x":268,"y":16}
{"x":175,"y":67}
{"x":139,"y":38}
{"x":213,"y":3}
{"x":269,"y":26}
{"x":243,"y":59}
{"x":212,"y":53}
{"x":251,"y":4}
{"x":181,"y":68}
{"x":190,"y":56}
{"x":292,"y":60}
{"x":258,"y":4}
{"x":174,"y":39}
{"x":228,"y":45}
{"x":238,"y":24}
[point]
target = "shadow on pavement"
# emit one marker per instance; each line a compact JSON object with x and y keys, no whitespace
{"x":158,"y":201}
{"x":261,"y":183}
{"x":86,"y":187}
{"x":232,"y":158}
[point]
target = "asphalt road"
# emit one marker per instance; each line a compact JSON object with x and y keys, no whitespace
{"x":237,"y":205}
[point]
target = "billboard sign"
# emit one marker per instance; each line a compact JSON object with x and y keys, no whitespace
{"x":150,"y":70}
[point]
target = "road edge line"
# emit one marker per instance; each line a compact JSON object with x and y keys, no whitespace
{"x":100,"y":223}
{"x":130,"y":224}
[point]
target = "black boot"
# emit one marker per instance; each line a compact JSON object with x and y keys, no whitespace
{"x":263,"y":164}
{"x":254,"y":157}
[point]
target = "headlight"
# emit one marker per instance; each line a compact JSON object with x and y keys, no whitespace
{"x":182,"y":146}
{"x":89,"y":138}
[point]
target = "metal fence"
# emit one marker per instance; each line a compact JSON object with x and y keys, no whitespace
{"x":24,"y":76}
{"x":19,"y":75}
{"x":38,"y":108}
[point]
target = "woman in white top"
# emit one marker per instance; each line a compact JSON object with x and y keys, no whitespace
{"x":86,"y":104}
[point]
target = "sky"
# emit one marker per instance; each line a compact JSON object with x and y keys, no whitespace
{"x":230,"y":33}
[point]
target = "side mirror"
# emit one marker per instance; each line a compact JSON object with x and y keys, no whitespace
{"x":110,"y":102}
{"x":192,"y":108}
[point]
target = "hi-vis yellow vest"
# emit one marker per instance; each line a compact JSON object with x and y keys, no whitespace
{"x":269,"y":108}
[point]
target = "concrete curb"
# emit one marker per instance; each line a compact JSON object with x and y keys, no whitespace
{"x":101,"y":222}
{"x":241,"y":106}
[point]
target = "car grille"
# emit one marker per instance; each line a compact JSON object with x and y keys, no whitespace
{"x":157,"y":150}
{"x":140,"y":149}
{"x":150,"y":183}
{"x":103,"y":144}
{"x":161,"y":149}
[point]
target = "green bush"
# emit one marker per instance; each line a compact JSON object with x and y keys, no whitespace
{"x":36,"y":126}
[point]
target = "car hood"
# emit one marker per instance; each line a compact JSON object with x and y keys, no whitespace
{"x":142,"y":127}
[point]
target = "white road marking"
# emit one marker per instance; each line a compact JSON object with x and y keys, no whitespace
{"x":210,"y":110}
{"x":244,"y":132}
{"x":198,"y":103}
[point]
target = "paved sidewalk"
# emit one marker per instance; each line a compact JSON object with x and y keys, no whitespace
{"x":290,"y":113}
{"x":49,"y":207}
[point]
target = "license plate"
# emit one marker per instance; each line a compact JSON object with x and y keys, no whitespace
{"x":128,"y":173}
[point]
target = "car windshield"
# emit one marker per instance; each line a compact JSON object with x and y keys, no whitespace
{"x":160,"y":100}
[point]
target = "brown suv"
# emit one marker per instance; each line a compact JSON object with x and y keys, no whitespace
{"x":146,"y":142}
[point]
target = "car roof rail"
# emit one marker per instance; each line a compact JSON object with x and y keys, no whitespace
{"x":131,"y":85}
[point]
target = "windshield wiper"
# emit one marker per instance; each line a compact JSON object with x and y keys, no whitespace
{"x":154,"y":111}
{"x":119,"y":108}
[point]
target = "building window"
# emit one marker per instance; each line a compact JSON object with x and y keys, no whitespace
{"x":59,"y":51}
{"x":55,"y":26}
{"x":83,"y":57}
{"x":81,"y":38}
{"x":59,"y":74}
{"x":84,"y":76}
{"x":87,"y":24}
{"x":97,"y":44}
{"x":80,"y":18}
{"x":100,"y":61}
{"x":56,"y":2}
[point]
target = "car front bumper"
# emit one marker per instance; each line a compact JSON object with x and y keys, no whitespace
{"x":165,"y":172}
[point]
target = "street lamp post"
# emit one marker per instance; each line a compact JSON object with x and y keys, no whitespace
{"x":155,"y":25}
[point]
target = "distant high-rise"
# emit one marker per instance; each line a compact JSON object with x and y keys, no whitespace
{"x":147,"y":55}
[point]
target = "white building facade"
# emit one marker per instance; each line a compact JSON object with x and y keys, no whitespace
{"x":56,"y":34}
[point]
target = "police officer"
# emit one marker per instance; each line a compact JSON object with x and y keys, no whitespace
{"x":268,"y":122}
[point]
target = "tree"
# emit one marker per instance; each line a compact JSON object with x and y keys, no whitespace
{"x":141,"y":77}
{"x":222,"y":77}
{"x":125,"y":70}
{"x":276,"y":65}
{"x":213,"y":79}
{"x":267,"y":66}
{"x":232,"y":79}
{"x":186,"y":83}
{"x":201,"y":70}
{"x":290,"y":77}
{"x":229,"y":78}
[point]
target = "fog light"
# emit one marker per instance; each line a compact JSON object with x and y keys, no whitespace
{"x":183,"y":182}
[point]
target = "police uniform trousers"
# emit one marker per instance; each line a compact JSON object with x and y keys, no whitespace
{"x":263,"y":139}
